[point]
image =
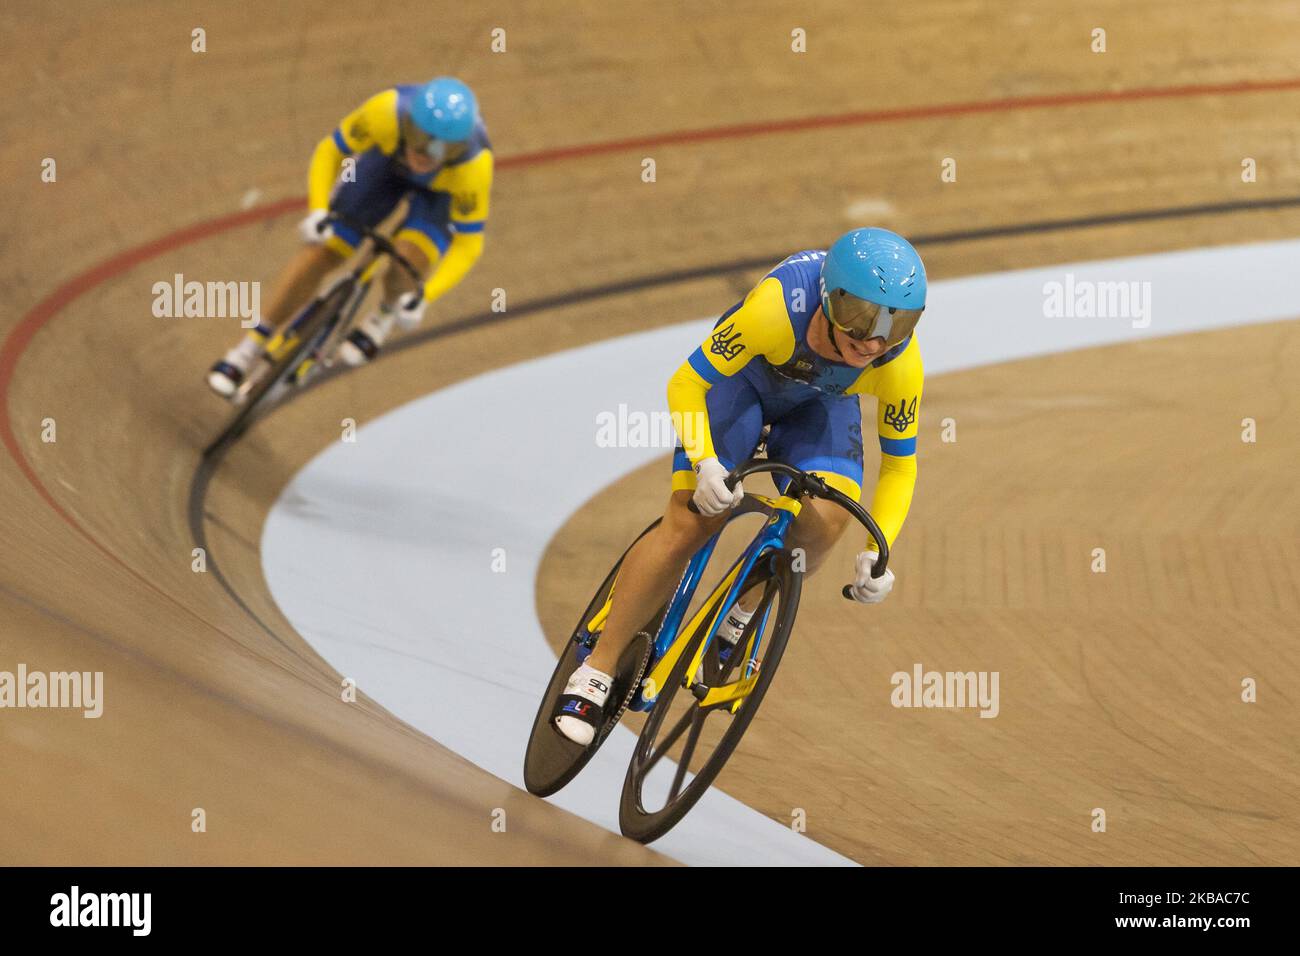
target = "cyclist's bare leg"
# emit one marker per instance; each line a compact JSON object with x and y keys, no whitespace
{"x":294,"y":286}
{"x":297,"y":283}
{"x":649,"y":573}
{"x":299,"y":279}
{"x":396,"y":280}
{"x":372,"y":331}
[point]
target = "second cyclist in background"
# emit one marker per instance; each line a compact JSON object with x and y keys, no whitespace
{"x":425,"y":143}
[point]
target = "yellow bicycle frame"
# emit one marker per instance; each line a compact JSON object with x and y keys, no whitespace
{"x":785,"y":509}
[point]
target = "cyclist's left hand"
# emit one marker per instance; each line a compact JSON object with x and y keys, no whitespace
{"x":865,"y":588}
{"x":315,"y":227}
{"x":410,"y":310}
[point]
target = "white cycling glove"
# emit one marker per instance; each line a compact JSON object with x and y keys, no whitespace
{"x":314,"y":230}
{"x":712,"y":496}
{"x":410,"y":310}
{"x":865,"y":588}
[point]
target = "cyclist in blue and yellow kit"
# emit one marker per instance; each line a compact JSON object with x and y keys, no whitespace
{"x":819,"y":330}
{"x":425,"y":143}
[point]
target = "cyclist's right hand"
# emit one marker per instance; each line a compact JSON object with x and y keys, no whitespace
{"x":315,"y":228}
{"x":712,"y":496}
{"x":865,"y":589}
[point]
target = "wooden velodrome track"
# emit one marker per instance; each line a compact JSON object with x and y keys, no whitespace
{"x":1120,"y":690}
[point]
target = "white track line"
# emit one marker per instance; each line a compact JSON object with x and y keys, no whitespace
{"x":380,"y":552}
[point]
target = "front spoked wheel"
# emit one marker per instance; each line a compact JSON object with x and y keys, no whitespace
{"x":690,"y":733}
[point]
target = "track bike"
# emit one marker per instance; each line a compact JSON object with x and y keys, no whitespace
{"x":307,"y":345}
{"x":699,"y":693}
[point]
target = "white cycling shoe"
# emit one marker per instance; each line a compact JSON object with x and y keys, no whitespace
{"x":363,"y":342}
{"x":581,"y":707}
{"x":224,"y":378}
{"x":231,"y":371}
{"x":730,"y":631}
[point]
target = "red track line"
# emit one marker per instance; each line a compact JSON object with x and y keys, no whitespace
{"x":46,"y":309}
{"x":871,"y":117}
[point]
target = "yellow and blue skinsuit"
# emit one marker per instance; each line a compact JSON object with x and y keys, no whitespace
{"x":448,"y":206}
{"x":756,"y":368}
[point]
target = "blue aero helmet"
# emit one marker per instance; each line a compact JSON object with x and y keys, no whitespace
{"x":873,"y":285}
{"x":445,"y":109}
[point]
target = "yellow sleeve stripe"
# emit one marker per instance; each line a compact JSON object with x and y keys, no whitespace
{"x":688,"y":404}
{"x":893,"y":496}
{"x":456,"y":262}
{"x":373,"y":123}
{"x":470,"y":185}
{"x":320,"y":174}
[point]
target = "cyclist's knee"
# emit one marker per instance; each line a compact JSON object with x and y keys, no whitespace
{"x":819,"y":526}
{"x":397,"y":281}
{"x":316,"y":259}
{"x":684,"y":531}
{"x":833,"y":518}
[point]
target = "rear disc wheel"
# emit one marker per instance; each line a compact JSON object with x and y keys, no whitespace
{"x":552,"y":760}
